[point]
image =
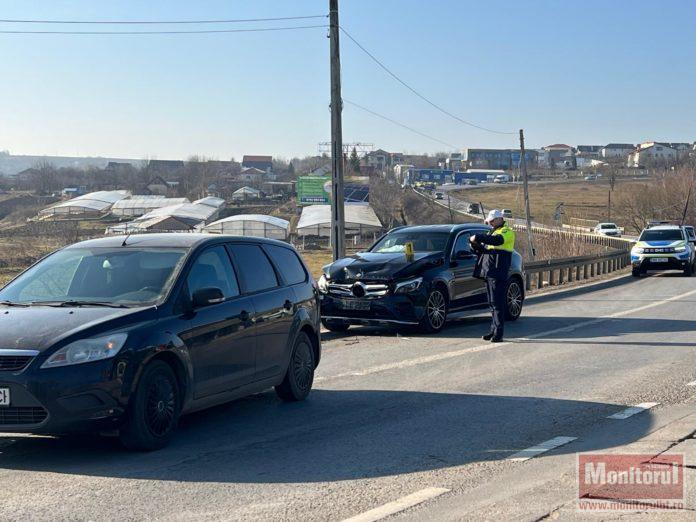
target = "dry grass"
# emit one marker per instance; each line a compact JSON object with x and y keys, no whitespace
{"x":582,"y":199}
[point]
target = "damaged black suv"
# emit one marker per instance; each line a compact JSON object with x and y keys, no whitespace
{"x":416,"y":285}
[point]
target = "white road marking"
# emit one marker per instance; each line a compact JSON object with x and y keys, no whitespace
{"x":399,"y":505}
{"x":532,"y":452}
{"x":491,"y":346}
{"x":633,"y":410}
{"x":692,"y":383}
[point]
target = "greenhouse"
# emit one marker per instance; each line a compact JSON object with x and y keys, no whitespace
{"x":140,"y":205}
{"x":210,"y":201}
{"x":258,"y":225}
{"x":94,"y":204}
{"x":360,"y":220}
{"x":191,"y":213}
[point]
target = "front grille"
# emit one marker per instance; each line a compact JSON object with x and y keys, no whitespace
{"x":14,"y":363}
{"x":666,"y":250}
{"x":358,"y":289}
{"x":22,"y":415}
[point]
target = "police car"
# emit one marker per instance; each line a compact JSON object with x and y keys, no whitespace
{"x":664,"y":247}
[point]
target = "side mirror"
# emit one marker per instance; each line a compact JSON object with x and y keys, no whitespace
{"x":463,"y":254}
{"x":206,"y":297}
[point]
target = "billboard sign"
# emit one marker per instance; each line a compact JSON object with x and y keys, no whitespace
{"x":311,"y":190}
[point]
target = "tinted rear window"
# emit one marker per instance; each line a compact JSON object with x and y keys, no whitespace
{"x":288,"y":263}
{"x":256,"y":271}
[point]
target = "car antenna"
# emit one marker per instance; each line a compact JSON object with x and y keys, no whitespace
{"x":126,"y":239}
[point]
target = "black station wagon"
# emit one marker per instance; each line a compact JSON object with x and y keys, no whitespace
{"x":126,"y":334}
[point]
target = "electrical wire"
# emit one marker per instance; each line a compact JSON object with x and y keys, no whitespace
{"x":399,"y":124}
{"x":159,"y":22}
{"x":421,"y":96}
{"x":197,"y":31}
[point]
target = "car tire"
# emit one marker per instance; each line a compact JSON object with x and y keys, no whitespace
{"x":435,"y":316}
{"x":514,"y":300}
{"x":300,"y":373}
{"x":689,"y":270}
{"x":635,"y":272}
{"x":154,"y":410}
{"x":335,"y":326}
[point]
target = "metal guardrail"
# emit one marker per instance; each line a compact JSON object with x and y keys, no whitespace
{"x":553,"y":272}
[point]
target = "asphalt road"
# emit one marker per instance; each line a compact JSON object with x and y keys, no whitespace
{"x":396,"y":415}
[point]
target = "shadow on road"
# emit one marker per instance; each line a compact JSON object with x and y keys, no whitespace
{"x":334,"y":435}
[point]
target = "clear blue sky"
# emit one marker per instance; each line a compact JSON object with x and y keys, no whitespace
{"x":576,"y":72}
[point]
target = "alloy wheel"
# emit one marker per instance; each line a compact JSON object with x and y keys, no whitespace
{"x":436,"y":309}
{"x":160,"y":406}
{"x":514,"y":299}
{"x":303,"y":365}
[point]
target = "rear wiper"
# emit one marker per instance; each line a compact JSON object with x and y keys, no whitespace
{"x":12,"y":303}
{"x":79,"y":303}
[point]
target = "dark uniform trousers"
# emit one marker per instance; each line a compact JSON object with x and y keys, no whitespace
{"x":495,"y":287}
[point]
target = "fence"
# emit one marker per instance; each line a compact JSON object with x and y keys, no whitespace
{"x":552,"y":272}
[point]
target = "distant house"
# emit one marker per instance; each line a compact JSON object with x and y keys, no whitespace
{"x":652,"y":153}
{"x":681,"y":148}
{"x":263,"y":163}
{"x":158,"y":186}
{"x":251,"y":175}
{"x":560,"y":155}
{"x":380,"y":159}
{"x":165,"y":166}
{"x":118,"y":166}
{"x":617,"y":150}
{"x":589,"y":151}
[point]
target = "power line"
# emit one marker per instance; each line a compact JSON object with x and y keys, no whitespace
{"x":414,"y":91}
{"x":159,"y":22}
{"x":198,"y":31}
{"x":399,"y":124}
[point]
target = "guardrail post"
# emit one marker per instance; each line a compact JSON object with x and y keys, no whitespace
{"x":552,"y":279}
{"x":585,"y":271}
{"x":570,"y":274}
{"x":561,"y":279}
{"x":577,"y":273}
{"x":527,"y":282}
{"x":540,"y":279}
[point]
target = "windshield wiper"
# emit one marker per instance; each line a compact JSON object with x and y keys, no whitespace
{"x":73,"y":302}
{"x":12,"y":303}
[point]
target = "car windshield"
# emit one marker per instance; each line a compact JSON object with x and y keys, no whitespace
{"x":422,"y":242}
{"x":607,"y":225}
{"x":670,"y":234}
{"x":124,"y":276}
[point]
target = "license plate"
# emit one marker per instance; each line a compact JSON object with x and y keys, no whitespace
{"x":659,"y":260}
{"x":354,"y":304}
{"x":4,"y":396}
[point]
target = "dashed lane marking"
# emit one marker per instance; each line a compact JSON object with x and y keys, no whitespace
{"x":399,"y":505}
{"x":532,"y":452}
{"x":633,"y":410}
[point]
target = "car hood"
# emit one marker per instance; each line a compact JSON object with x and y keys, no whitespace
{"x":381,"y":267}
{"x":40,"y":327}
{"x":661,"y":244}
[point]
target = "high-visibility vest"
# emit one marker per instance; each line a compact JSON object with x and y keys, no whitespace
{"x":508,"y":239}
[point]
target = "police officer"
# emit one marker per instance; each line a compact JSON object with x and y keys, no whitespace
{"x":494,"y":257}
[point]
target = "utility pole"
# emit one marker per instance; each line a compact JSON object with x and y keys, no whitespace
{"x":525,"y":181}
{"x":338,"y":223}
{"x":609,"y":207}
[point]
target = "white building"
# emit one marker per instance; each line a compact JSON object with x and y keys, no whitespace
{"x":617,"y":150}
{"x":652,"y":152}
